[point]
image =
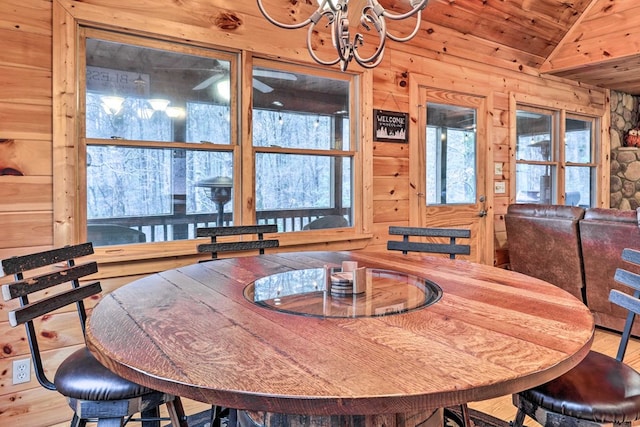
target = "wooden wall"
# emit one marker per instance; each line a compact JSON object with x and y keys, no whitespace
{"x":450,"y":60}
{"x":506,"y":85}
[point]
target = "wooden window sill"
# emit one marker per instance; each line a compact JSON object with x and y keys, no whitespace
{"x":307,"y":240}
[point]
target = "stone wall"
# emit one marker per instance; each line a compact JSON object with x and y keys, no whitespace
{"x":625,"y":161}
{"x":624,"y":116}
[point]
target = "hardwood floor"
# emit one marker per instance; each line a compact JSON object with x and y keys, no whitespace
{"x":501,"y":407}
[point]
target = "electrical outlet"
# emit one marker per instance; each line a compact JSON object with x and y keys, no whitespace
{"x":21,"y":371}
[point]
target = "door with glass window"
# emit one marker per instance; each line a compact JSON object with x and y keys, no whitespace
{"x":453,"y":189}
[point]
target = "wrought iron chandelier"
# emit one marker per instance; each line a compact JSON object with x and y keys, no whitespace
{"x":336,"y":13}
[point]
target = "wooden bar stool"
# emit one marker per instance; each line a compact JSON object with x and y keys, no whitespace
{"x":452,"y":248}
{"x":92,"y":391}
{"x":258,"y":243}
{"x":600,"y":389}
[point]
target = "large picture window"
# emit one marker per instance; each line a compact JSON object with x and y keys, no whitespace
{"x":163,"y":152}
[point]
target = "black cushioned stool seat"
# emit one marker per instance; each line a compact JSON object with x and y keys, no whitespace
{"x":600,"y":389}
{"x":81,"y":376}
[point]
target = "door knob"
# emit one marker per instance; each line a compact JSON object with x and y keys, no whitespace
{"x":483,"y":212}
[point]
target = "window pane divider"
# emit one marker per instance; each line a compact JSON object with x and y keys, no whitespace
{"x":581,"y":164}
{"x":286,"y":150}
{"x":160,"y":144}
{"x":536,"y":162}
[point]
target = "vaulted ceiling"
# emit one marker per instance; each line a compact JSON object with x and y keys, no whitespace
{"x":591,"y":41}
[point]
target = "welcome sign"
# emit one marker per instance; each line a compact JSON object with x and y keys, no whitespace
{"x":390,"y":126}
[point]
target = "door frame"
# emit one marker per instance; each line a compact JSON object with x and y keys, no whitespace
{"x":417,"y":208}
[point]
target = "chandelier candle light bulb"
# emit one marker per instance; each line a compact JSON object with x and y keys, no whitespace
{"x":336,"y":14}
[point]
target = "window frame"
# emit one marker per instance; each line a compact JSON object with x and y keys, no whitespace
{"x":442,"y":142}
{"x":233,"y":147}
{"x":69,"y":215}
{"x":557,"y":162}
{"x":354,"y":151}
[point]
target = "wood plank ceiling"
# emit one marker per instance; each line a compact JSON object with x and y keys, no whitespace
{"x":591,"y":41}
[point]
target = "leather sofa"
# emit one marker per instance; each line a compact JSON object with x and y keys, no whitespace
{"x":576,"y":249}
{"x":604,"y":233}
{"x":544,"y":243}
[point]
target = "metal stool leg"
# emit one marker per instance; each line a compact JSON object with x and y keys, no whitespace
{"x":466,"y":419}
{"x":233,"y":418}
{"x":519,"y":419}
{"x":214,"y":415}
{"x":462,"y":420}
{"x":151,"y":417}
{"x":176,"y":412}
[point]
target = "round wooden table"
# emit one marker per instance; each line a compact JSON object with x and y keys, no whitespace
{"x":196,"y":332}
